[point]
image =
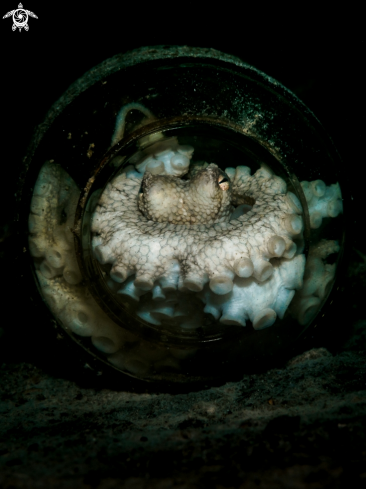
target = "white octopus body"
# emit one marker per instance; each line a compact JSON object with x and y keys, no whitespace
{"x":187,"y":257}
{"x":236,"y":266}
{"x":260,"y":301}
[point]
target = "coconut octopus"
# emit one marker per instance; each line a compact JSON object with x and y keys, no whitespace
{"x":181,"y":239}
{"x":162,"y":233}
{"x":232,"y":238}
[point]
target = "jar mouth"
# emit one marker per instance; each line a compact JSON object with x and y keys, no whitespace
{"x":214,"y":140}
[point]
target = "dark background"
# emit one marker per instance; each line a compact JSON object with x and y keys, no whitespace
{"x":300,"y":426}
{"x":319,"y":54}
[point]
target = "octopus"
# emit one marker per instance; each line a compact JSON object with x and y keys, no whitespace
{"x":174,"y":234}
{"x":167,"y":226}
{"x":181,"y":239}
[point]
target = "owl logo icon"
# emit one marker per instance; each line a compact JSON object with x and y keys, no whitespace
{"x":20,"y":17}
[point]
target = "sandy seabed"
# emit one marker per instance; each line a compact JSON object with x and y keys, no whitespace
{"x":301,"y":425}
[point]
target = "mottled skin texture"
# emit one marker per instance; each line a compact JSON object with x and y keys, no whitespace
{"x":133,"y":243}
{"x":203,"y":199}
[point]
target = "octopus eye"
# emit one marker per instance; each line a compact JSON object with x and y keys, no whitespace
{"x":223,"y":183}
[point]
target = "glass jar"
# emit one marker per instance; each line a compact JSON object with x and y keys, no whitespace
{"x":184,"y":217}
